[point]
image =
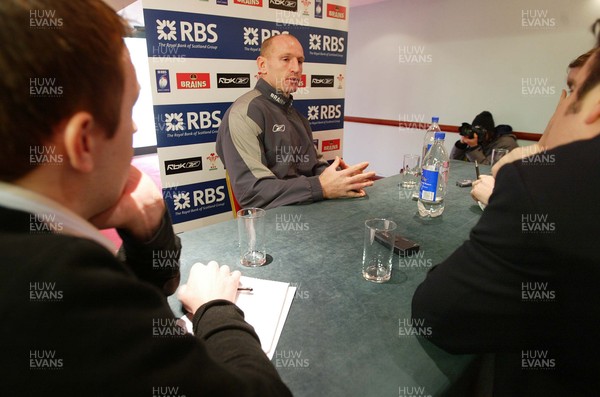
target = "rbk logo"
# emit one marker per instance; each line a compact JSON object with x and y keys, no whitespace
{"x":278,"y":127}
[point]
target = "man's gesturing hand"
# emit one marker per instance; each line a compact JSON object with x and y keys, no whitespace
{"x":347,"y":182}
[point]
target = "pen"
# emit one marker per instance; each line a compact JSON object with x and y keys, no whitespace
{"x":477,"y":169}
{"x":245,"y":289}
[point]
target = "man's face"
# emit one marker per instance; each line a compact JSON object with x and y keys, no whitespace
{"x":281,"y":67}
{"x":116,"y":153}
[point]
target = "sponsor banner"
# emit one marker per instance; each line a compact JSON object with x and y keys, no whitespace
{"x":163,"y":81}
{"x":181,"y":166}
{"x":321,"y":80}
{"x":285,"y":5}
{"x":233,"y":80}
{"x":195,"y":42}
{"x":318,"y":9}
{"x":198,"y":200}
{"x":255,"y":3}
{"x":329,"y":145}
{"x":327,"y":141}
{"x":323,"y":114}
{"x":191,"y":81}
{"x":188,"y":123}
{"x":212,"y":167}
{"x":189,"y":35}
{"x":336,"y":11}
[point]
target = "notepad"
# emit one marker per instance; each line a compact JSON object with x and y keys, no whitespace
{"x":265,"y":308}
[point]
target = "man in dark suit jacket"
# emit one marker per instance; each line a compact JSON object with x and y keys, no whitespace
{"x":524,"y":286}
{"x":76,"y":319}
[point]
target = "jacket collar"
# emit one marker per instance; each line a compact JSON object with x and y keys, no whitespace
{"x":271,"y":93}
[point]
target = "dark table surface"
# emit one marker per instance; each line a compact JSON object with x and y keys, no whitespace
{"x":345,"y":336}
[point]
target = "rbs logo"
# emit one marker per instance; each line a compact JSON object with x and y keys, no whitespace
{"x":320,"y":42}
{"x":252,"y":36}
{"x":324,"y":112}
{"x":195,"y":32}
{"x":208,"y":196}
{"x":194,"y":120}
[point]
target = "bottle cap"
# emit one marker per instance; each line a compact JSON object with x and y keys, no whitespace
{"x":439,"y":135}
{"x":435,"y":119}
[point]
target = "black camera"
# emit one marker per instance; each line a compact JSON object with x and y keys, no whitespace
{"x":469,"y":131}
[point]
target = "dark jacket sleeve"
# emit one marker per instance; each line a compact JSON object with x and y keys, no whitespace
{"x":473,"y":300}
{"x":458,"y":151}
{"x":112,"y":335}
{"x":155,"y":261}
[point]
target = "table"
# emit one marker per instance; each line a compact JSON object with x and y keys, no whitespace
{"x":345,"y":336}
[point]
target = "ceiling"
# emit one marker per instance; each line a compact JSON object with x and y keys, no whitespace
{"x":120,"y":4}
{"x":357,"y":3}
{"x":132,"y":10}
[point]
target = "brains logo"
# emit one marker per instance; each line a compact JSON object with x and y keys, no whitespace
{"x":170,"y":34}
{"x":313,"y":113}
{"x":315,"y":42}
{"x":181,"y":200}
{"x":250,"y":36}
{"x":174,"y":121}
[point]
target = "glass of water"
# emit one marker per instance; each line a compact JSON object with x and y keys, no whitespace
{"x":410,"y":171}
{"x":497,"y":154}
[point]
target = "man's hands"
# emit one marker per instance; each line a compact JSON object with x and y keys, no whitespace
{"x":347,"y":182}
{"x":482,"y":188}
{"x":139,"y":210}
{"x":470,"y":142}
{"x":547,"y":132}
{"x":207,"y":283}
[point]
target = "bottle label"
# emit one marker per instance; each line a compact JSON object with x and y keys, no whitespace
{"x":429,"y":181}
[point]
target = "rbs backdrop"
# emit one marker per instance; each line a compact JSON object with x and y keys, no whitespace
{"x":202,"y":56}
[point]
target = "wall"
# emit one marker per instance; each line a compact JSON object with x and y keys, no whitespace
{"x":413,"y":59}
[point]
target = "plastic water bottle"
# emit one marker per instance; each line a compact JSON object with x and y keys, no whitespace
{"x":434,"y":179}
{"x":429,"y":136}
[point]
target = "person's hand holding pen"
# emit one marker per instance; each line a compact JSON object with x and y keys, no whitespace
{"x":206,"y":283}
{"x":482,"y":187}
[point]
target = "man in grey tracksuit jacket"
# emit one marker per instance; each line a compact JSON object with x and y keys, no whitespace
{"x":267,"y":148}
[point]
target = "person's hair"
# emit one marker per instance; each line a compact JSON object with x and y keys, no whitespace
{"x":57,"y":57}
{"x":596,"y":31}
{"x":581,"y":59}
{"x":593,"y":77}
{"x":266,"y":45}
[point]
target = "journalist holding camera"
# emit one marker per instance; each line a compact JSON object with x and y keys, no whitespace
{"x":480,"y":138}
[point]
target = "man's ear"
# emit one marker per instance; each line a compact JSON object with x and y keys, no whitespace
{"x":593,"y":114}
{"x":79,"y":141}
{"x":261,"y":63}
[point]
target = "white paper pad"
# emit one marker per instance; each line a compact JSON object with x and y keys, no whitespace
{"x":265,"y":308}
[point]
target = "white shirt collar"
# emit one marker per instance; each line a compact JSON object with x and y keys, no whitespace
{"x":56,"y":217}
